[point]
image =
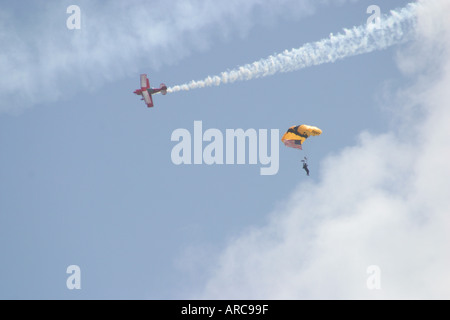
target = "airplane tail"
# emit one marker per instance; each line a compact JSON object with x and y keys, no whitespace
{"x":163,"y":89}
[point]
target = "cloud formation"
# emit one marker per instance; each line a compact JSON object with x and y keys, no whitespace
{"x":41,"y":54}
{"x":382,"y":202}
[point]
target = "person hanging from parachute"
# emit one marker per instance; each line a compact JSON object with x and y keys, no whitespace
{"x":305,"y":165}
{"x":295,"y":136}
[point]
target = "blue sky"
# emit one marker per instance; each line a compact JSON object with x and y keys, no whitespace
{"x":87,"y":179}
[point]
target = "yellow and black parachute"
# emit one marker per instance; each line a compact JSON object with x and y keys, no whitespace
{"x":296,"y":135}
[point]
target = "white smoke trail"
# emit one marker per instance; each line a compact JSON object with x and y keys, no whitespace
{"x":394,"y":29}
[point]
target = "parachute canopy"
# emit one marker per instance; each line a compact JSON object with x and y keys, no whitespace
{"x":296,"y":135}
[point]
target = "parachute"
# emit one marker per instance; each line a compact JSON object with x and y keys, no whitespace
{"x":296,"y":135}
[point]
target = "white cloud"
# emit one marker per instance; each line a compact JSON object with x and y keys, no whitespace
{"x":41,"y":55}
{"x":383,"y":202}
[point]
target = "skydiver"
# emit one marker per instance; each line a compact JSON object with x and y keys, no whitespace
{"x":305,"y":166}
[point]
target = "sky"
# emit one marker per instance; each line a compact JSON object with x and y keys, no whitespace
{"x":90,"y":177}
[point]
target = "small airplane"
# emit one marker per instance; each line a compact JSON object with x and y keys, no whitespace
{"x":146,"y":92}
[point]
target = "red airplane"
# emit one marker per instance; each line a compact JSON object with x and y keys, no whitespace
{"x":146,"y":92}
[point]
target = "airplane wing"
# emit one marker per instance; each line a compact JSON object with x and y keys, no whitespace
{"x":147,"y":98}
{"x":144,"y":82}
